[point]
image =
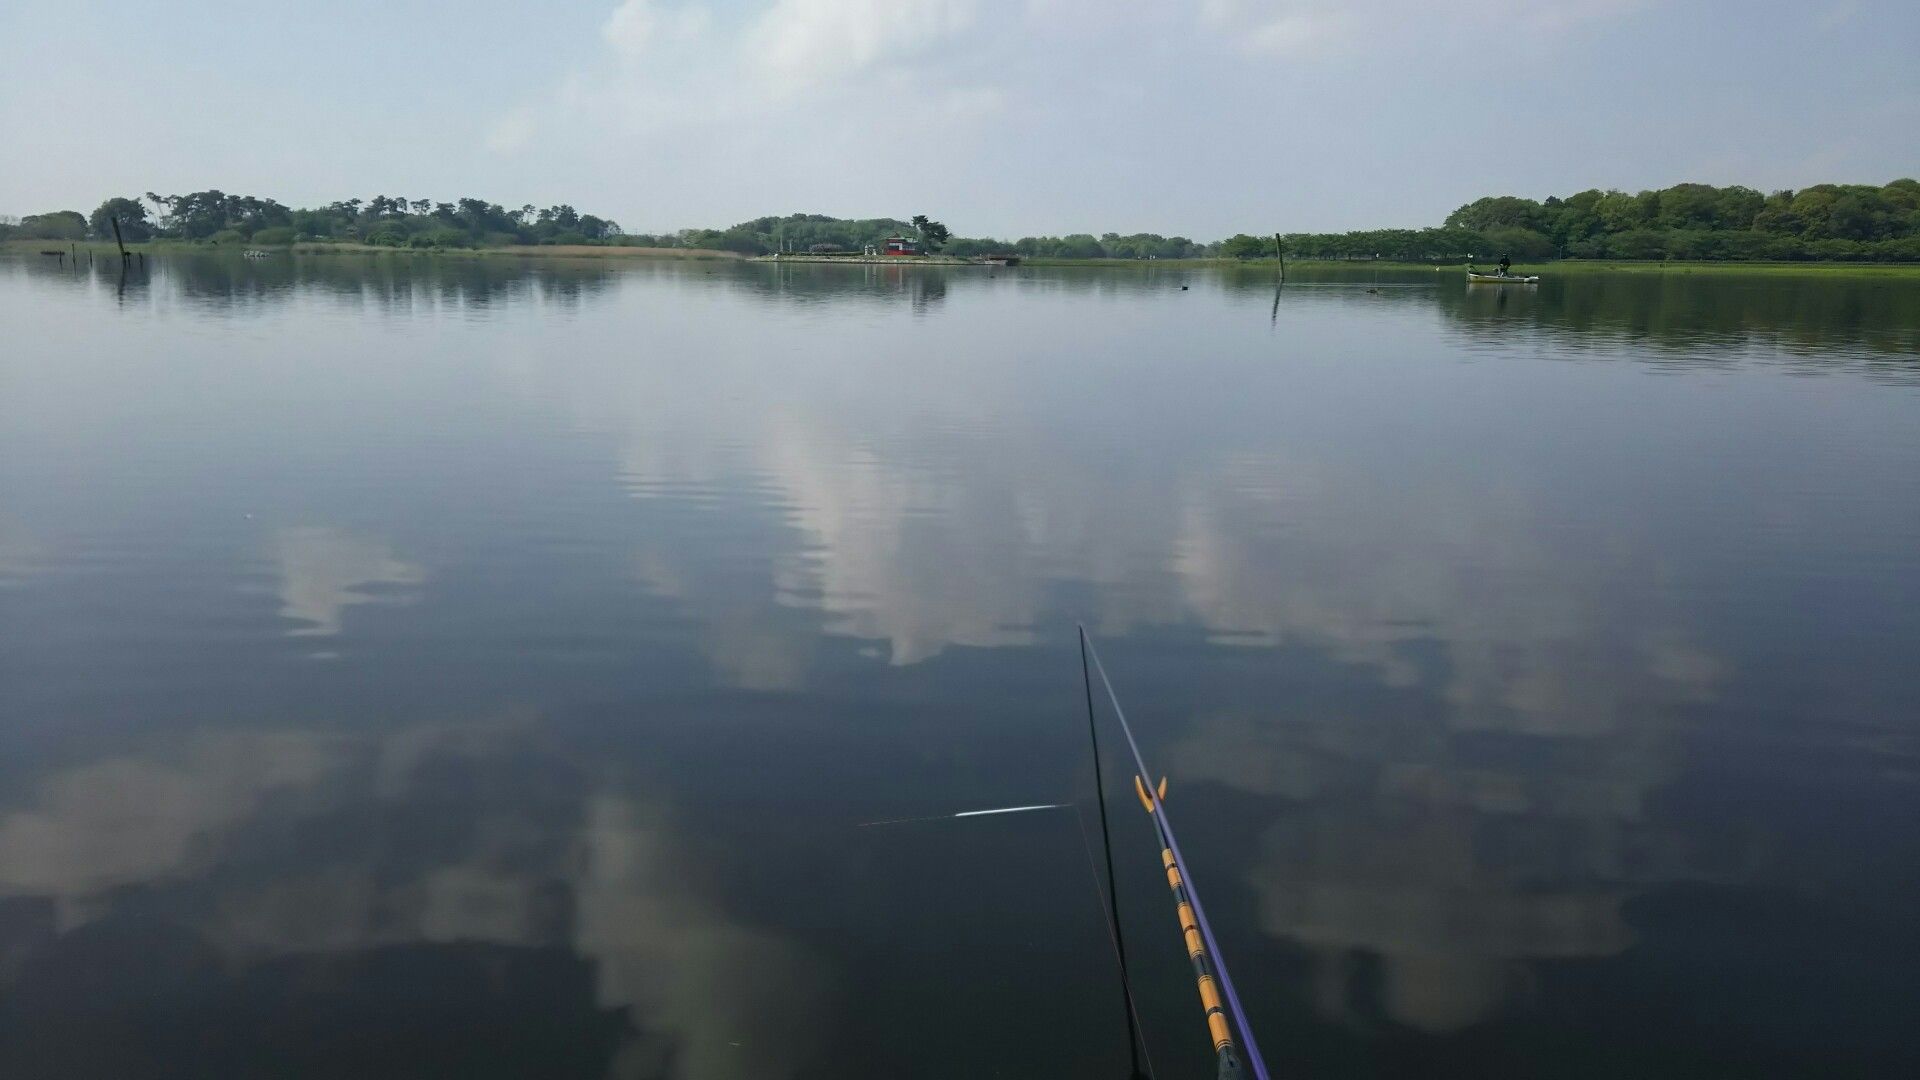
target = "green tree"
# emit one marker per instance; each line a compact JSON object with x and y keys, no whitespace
{"x":1620,"y":212}
{"x":388,"y":234}
{"x":1688,"y":206}
{"x":1500,"y":211}
{"x":1519,"y":243}
{"x":132,"y":215}
{"x":1242,"y":246}
{"x":58,"y":225}
{"x":933,"y":235}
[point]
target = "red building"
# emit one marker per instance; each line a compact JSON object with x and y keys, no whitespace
{"x":900,"y":245}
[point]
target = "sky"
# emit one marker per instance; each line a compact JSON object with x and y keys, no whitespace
{"x":1000,"y":117}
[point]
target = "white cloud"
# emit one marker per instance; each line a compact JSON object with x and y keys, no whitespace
{"x":1285,"y":28}
{"x":511,"y":131}
{"x":636,"y":26}
{"x":706,"y":107}
{"x":802,"y":44}
{"x":1303,"y":29}
{"x":677,"y":66}
{"x":631,"y":27}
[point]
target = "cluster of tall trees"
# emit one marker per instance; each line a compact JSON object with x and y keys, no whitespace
{"x":391,"y":221}
{"x":806,"y":233}
{"x":1087,"y":246}
{"x":1405,"y":245}
{"x":795,"y":232}
{"x":819,"y":234}
{"x":1686,"y":221}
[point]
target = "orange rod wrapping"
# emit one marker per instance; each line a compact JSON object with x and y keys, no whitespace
{"x":1217,"y":1024}
{"x":1208,"y":995}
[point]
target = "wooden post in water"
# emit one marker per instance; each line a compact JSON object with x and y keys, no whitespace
{"x":1280,"y":253}
{"x":119,"y":243}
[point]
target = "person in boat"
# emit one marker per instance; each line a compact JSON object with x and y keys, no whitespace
{"x":1506,"y":265}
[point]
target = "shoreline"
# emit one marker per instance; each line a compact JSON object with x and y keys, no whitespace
{"x":610,"y":251}
{"x":1562,"y":266}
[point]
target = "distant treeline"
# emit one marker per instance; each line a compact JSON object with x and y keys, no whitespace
{"x":818,"y":233}
{"x":1842,"y":222}
{"x":216,"y":217}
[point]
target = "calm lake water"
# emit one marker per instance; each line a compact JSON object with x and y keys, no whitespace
{"x":439,"y":668}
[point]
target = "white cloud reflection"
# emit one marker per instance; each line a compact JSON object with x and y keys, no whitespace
{"x":952,"y":531}
{"x":708,"y":996}
{"x":922,"y":510}
{"x":325,"y":570}
{"x":125,"y":820}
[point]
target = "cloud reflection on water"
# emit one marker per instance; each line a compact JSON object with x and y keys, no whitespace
{"x":1423,"y":878}
{"x":1482,"y":617}
{"x":399,"y":848}
{"x":325,"y":570}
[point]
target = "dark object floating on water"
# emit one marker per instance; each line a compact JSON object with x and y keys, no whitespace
{"x":61,"y":253}
{"x":1183,"y":288}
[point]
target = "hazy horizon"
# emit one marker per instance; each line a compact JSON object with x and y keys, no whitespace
{"x":1004,"y":118}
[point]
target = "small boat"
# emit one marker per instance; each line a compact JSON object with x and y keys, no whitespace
{"x":1474,"y":277}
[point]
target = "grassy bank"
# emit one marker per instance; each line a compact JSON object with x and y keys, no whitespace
{"x":1562,"y":268}
{"x":1575,"y":267}
{"x":1042,"y":260}
{"x":1778,"y":269}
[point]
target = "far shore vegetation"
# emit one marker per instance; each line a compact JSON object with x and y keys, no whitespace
{"x":1681,"y":225}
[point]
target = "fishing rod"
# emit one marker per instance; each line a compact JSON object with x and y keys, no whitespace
{"x":1217,"y":995}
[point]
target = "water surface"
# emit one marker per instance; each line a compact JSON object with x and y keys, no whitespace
{"x":422,"y":667}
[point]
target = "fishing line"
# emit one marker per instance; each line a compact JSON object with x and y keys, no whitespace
{"x":1106,"y":843}
{"x":1113,"y":932}
{"x":1157,"y":807}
